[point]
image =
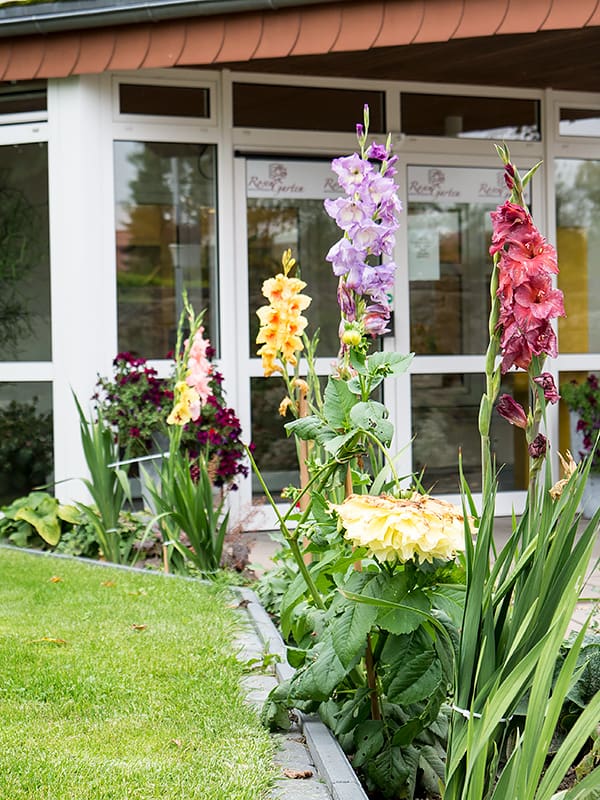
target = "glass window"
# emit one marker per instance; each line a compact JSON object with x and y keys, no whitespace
{"x":22,"y":97}
{"x":166,"y":232}
{"x":285,"y":210}
{"x":579,"y":122}
{"x":464,"y":116}
{"x":26,"y":451}
{"x":445,"y":410}
{"x":578,"y":244}
{"x":25,"y":333}
{"x":305,"y":108}
{"x":166,"y":101}
{"x":449,"y":229}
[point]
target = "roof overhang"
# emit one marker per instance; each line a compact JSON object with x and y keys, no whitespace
{"x":440,"y":40}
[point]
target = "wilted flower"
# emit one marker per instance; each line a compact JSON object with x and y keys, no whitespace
{"x":284,"y":405}
{"x":546,"y":381}
{"x":512,"y":411}
{"x":568,"y":468}
{"x":421,"y":526}
{"x":537,"y":448}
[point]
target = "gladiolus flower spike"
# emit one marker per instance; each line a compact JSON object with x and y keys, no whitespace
{"x":281,"y":322}
{"x":368,"y":217}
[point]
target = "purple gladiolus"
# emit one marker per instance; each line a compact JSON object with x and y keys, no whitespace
{"x":368,"y":216}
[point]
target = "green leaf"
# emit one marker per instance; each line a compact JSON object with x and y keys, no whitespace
{"x":349,"y":631}
{"x":336,"y":444}
{"x":419,"y":678}
{"x":368,"y":740}
{"x":307,"y":427}
{"x":389,"y":769}
{"x":45,"y":523}
{"x":338,"y":402}
{"x":372,"y":417}
{"x":321,"y":674}
{"x":69,"y":514}
{"x":387,"y":363}
{"x":406,"y":619}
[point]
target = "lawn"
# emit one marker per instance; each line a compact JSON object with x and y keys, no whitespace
{"x":121,"y":685}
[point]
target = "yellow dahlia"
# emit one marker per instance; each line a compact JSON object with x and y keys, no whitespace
{"x":391,"y":529}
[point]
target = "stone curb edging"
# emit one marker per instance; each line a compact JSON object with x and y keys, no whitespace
{"x":329,"y":758}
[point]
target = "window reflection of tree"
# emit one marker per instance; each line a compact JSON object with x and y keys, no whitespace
{"x":24,"y":256}
{"x":168,"y":242}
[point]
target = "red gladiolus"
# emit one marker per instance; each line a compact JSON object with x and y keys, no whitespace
{"x":528,"y":301}
{"x":512,"y":411}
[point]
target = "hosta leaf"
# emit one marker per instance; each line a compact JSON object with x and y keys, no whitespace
{"x":47,"y":525}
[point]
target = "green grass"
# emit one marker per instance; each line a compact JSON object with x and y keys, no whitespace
{"x":121,"y":685}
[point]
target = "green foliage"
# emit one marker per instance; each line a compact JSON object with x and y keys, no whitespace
{"x":122,"y":684}
{"x":25,"y":448}
{"x":108,"y":487}
{"x":191,"y":518}
{"x":37,"y":520}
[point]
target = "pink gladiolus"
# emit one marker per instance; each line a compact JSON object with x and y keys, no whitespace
{"x":199,"y":367}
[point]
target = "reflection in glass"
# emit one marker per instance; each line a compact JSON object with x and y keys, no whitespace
{"x":450,"y":270}
{"x":570,"y":438}
{"x":302,"y":225}
{"x":578,"y":244}
{"x":275,"y":453}
{"x":579,"y":122}
{"x":24,"y":254}
{"x":472,"y":117}
{"x":166,"y":241}
{"x":26,"y":450}
{"x":445,"y":411}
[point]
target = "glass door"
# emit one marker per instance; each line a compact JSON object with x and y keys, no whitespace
{"x":449,"y":268}
{"x":284,"y":209}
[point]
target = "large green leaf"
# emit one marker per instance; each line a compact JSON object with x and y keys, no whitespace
{"x":338,"y":402}
{"x":349,"y":631}
{"x":44,"y":519}
{"x":321,"y":674}
{"x":406,"y":619}
{"x":308,"y":427}
{"x":418,"y":679}
{"x":368,"y":740}
{"x":373,"y":417}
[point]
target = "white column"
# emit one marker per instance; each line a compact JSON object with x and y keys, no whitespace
{"x":82,"y":258}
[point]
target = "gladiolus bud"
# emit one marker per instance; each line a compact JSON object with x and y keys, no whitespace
{"x":511,"y":411}
{"x":546,"y":381}
{"x":537,"y":448}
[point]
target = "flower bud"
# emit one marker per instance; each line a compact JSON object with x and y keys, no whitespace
{"x":511,"y":411}
{"x":537,"y":448}
{"x":351,"y":337}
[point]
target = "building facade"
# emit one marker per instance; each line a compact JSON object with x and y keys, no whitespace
{"x":140,"y":158}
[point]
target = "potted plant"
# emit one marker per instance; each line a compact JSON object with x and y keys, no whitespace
{"x":583,"y":401}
